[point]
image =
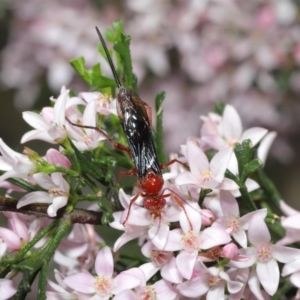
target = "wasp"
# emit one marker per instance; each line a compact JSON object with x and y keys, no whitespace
{"x":135,"y":119}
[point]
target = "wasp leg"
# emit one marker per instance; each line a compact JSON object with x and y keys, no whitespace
{"x":131,"y":172}
{"x":179,"y":202}
{"x":164,"y":166}
{"x":130,"y":205}
{"x":114,"y":143}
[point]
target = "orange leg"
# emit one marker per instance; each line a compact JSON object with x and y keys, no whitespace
{"x":131,"y":172}
{"x":130,"y":205}
{"x":114,"y":143}
{"x":179,"y":202}
{"x":163,"y":166}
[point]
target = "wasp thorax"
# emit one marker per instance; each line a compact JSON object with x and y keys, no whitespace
{"x":151,"y":184}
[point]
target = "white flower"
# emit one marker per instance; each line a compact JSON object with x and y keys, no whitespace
{"x":15,"y":164}
{"x":57,"y":195}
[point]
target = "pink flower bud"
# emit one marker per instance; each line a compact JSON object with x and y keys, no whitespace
{"x":230,"y":251}
{"x":54,"y":157}
{"x":208,"y":217}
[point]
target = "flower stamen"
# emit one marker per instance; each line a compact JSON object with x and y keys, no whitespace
{"x":264,"y":253}
{"x":103,"y":285}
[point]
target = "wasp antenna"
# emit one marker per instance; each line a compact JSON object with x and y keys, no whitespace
{"x":109,"y":58}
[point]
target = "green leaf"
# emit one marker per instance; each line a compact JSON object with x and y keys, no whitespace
{"x":30,"y":269}
{"x":110,"y":35}
{"x":244,"y":153}
{"x":219,"y":108}
{"x":97,"y":80}
{"x":230,"y":175}
{"x":105,"y":206}
{"x":159,"y":136}
{"x":42,"y":288}
{"x":24,"y":184}
{"x":87,"y":166}
{"x":121,"y":45}
{"x":79,"y":65}
{"x":29,"y":265}
{"x":249,"y":168}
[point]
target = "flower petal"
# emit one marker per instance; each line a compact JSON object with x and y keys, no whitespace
{"x":219,"y":163}
{"x":197,"y":159}
{"x":34,"y":197}
{"x":211,"y":237}
{"x":128,"y":280}
{"x":158,"y":235}
{"x":35,"y":120}
{"x":60,"y":108}
{"x":126,"y":237}
{"x":229,"y":204}
{"x":81,"y":282}
{"x":37,"y":135}
{"x":187,"y":178}
{"x":185,"y":262}
{"x":8,"y":288}
{"x":231,"y":124}
{"x":255,"y":134}
{"x":258,"y":233}
{"x":264,"y":147}
{"x":268,"y":275}
{"x":57,"y":203}
{"x":196,"y":287}
{"x":104,"y":264}
{"x":285,"y":254}
{"x":11,"y":239}
{"x":191,"y":214}
{"x":254,"y":285}
{"x":170,"y":272}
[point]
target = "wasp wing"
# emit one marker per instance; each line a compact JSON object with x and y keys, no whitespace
{"x":136,"y":125}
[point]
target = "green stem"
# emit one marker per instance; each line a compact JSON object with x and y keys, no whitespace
{"x":247,"y":199}
{"x":282,"y":291}
{"x":60,"y":233}
{"x":42,"y":283}
{"x":22,"y":291}
{"x":276,"y":227}
{"x":24,"y":184}
{"x":52,"y":169}
{"x":70,"y":152}
{"x":159,"y":136}
{"x":91,"y":184}
{"x":203,"y":194}
{"x":29,"y":245}
{"x":268,"y":186}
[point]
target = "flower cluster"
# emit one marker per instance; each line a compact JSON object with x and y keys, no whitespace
{"x":204,"y":228}
{"x":179,"y":239}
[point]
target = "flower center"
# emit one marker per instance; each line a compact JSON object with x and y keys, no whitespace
{"x":264,"y":253}
{"x":103,"y":101}
{"x":232,"y":143}
{"x":214,"y":280}
{"x":57,"y":192}
{"x":87,"y":138}
{"x":206,"y":174}
{"x":160,"y":258}
{"x":148,"y":293}
{"x":232,"y":225}
{"x":190,"y":241}
{"x":103,"y":285}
